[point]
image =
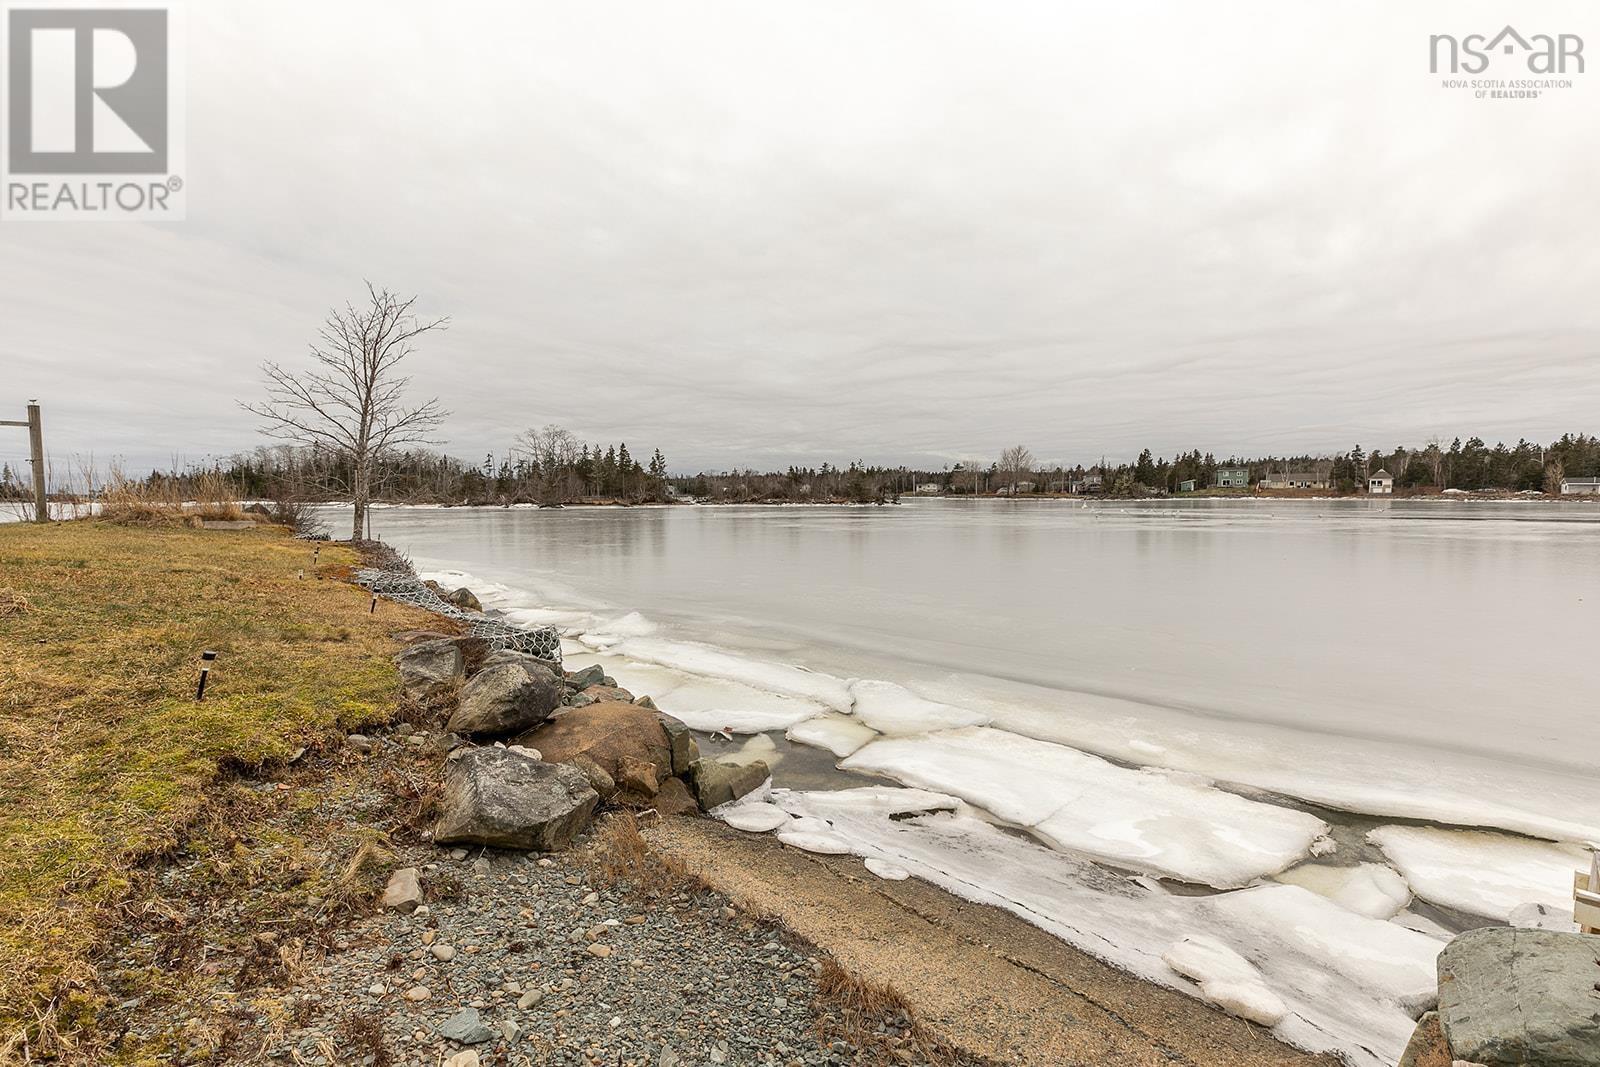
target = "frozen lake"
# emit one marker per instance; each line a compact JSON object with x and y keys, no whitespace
{"x":1428,"y":664}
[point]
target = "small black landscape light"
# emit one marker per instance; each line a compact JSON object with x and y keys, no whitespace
{"x":206,"y":659}
{"x":372,"y":609}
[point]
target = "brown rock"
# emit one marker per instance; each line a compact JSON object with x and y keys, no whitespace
{"x":602,"y":782}
{"x":601,"y":693}
{"x":674,"y":798}
{"x":404,"y":891}
{"x":1427,"y":1047}
{"x":637,"y":775}
{"x":605,"y":733}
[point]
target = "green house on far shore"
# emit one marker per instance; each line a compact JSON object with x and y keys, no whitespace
{"x":1233,"y":478}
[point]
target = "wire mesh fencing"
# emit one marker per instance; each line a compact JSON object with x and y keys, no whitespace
{"x":541,"y":641}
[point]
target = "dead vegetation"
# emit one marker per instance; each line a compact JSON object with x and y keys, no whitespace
{"x":872,"y":1016}
{"x":623,"y":857}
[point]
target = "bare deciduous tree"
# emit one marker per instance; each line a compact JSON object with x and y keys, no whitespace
{"x":554,"y":452}
{"x":1014,"y":463}
{"x":352,"y":400}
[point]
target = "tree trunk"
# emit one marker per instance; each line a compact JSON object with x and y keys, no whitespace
{"x":362,"y":493}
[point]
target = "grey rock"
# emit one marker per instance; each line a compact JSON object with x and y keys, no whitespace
{"x":714,"y":783}
{"x":506,"y":698}
{"x":523,"y":659}
{"x":591,"y":675}
{"x":431,"y":669}
{"x":504,"y":798}
{"x":404,"y":891}
{"x":685,"y":749}
{"x":467,"y":1027}
{"x":359,"y":742}
{"x":1514,"y":997}
{"x":463,"y":598}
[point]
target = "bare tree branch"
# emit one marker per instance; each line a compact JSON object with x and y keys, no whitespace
{"x":351,"y":401}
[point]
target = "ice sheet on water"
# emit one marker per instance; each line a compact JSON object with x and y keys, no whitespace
{"x":1369,"y":775}
{"x":709,"y":662}
{"x":1371,"y":889}
{"x":897,"y":711}
{"x":1226,"y":979}
{"x":1479,"y":872}
{"x":758,"y":747}
{"x":1165,"y":824}
{"x":1341,"y":976}
{"x":839,"y":734}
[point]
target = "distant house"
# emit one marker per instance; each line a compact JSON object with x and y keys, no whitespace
{"x":929,"y":488}
{"x":1295,"y":480}
{"x":1380,"y":483}
{"x":1580,"y":487}
{"x":1186,"y":486}
{"x":1089,"y":483}
{"x":1022,"y":487}
{"x":1233,"y":478}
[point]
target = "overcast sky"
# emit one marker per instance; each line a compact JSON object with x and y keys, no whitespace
{"x":761,"y":233}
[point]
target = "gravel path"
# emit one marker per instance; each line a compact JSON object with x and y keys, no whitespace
{"x":534,"y":961}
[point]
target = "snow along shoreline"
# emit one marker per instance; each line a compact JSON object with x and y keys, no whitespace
{"x":1016,"y":807}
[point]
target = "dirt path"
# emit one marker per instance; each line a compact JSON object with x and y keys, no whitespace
{"x":980,"y":979}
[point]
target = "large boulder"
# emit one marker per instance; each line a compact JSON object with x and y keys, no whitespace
{"x":715,"y":783}
{"x":528,"y":662}
{"x":506,"y":798}
{"x":619,"y":738}
{"x":429,"y":670}
{"x":1515,"y":997}
{"x":505,"y":698}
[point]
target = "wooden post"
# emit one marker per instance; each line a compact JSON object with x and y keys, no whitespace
{"x":41,"y":504}
{"x":36,"y":449}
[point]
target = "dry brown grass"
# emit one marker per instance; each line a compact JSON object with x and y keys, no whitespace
{"x":105,"y":756}
{"x":161,"y":502}
{"x":622,"y":856}
{"x":862,"y":1009}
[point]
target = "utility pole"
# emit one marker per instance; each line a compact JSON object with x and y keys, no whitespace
{"x":36,"y":457}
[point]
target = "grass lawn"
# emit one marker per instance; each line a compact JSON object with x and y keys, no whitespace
{"x":105,"y":756}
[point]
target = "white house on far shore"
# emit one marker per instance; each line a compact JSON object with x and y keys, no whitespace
{"x":1380,"y":482}
{"x":1580,"y":487}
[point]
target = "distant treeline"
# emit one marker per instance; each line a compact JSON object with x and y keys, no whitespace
{"x":551,"y":466}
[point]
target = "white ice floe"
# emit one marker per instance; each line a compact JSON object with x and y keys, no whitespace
{"x":896,"y":710}
{"x":1349,"y":984}
{"x":1481,"y":873}
{"x":815,"y":841}
{"x":839,"y":734}
{"x":758,"y":818}
{"x":1386,"y":959}
{"x":1226,"y":979}
{"x":1542,"y":917}
{"x":1370,"y":889}
{"x":708,"y":662}
{"x":1170,"y":825}
{"x":889,"y":872}
{"x":1361,"y":774}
